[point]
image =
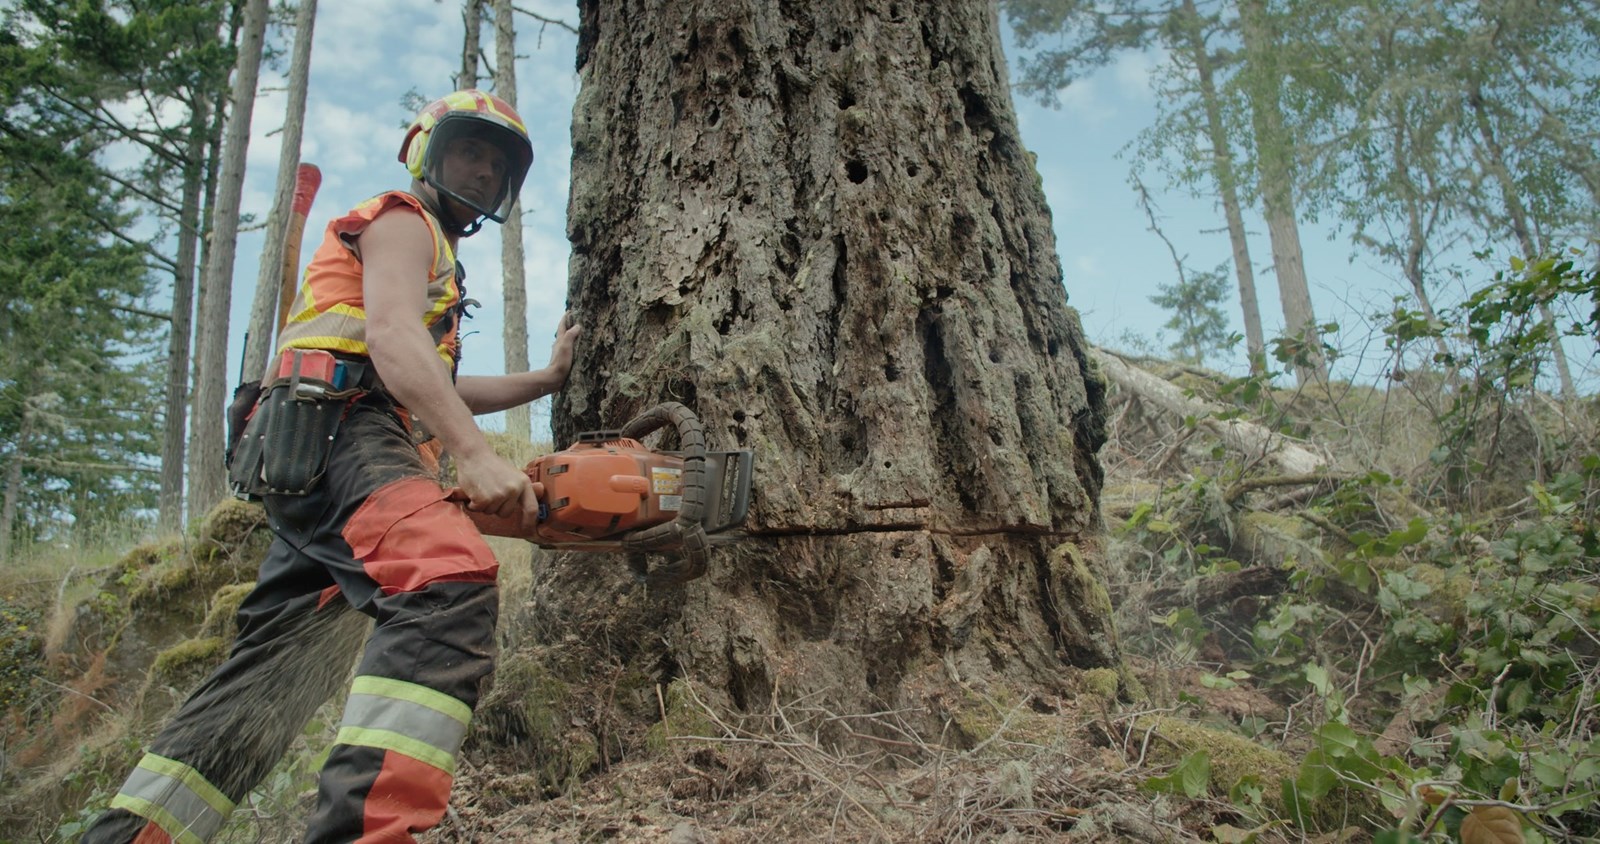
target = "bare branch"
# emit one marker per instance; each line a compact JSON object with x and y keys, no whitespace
{"x":129,"y":309}
{"x":547,"y":21}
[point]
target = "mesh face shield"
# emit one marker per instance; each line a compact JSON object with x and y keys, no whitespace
{"x":437,"y":172}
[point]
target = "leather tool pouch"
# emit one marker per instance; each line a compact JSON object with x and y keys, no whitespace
{"x":284,"y":447}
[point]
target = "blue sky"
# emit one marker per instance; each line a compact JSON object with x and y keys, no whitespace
{"x":370,"y":52}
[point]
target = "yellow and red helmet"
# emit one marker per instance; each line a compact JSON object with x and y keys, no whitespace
{"x":469,"y":114}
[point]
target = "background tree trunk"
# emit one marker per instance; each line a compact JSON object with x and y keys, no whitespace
{"x":174,"y":424}
{"x":1274,"y":157}
{"x":514,"y":275}
{"x":815,"y":224}
{"x":206,"y":475}
{"x":1517,"y":215}
{"x":269,"y":281}
{"x":13,"y":481}
{"x":1227,"y":187}
{"x":472,"y":24}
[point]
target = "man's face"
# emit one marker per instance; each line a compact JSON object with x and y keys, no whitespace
{"x":475,"y":169}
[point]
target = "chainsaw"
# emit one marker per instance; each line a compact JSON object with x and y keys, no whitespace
{"x":607,"y":492}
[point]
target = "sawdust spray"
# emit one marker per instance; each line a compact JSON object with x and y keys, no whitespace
{"x":243,"y":736}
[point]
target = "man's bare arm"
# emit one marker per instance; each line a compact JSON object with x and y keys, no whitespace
{"x":489,"y":394}
{"x":396,"y":250}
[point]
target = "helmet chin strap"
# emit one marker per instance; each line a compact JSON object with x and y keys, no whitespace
{"x":445,"y":217}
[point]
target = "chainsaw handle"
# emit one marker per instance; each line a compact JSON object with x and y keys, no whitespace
{"x":490,"y":524}
{"x":459,"y":495}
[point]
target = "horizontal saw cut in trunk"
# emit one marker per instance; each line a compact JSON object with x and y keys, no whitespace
{"x":814,"y":225}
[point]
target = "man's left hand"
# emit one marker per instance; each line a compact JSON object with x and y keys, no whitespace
{"x":561,"y":353}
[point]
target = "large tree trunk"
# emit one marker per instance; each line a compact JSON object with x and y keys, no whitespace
{"x":1274,"y":157}
{"x":815,"y":224}
{"x":1227,"y":188}
{"x":264,"y":318}
{"x":514,"y":275}
{"x":206,"y":475}
{"x":175,"y":419}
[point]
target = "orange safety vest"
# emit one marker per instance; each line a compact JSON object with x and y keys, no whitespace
{"x":328,"y":311}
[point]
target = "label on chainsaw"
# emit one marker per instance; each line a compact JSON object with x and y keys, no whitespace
{"x":667,"y":484}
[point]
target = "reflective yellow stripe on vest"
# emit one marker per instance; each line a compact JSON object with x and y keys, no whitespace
{"x":176,"y":798}
{"x":406,"y":718}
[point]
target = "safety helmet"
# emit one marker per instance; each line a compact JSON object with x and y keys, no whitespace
{"x":469,"y":114}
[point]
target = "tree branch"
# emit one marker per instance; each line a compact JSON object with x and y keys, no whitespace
{"x":71,"y":465}
{"x":1239,"y":489}
{"x":112,"y":123}
{"x":129,"y":309}
{"x":547,"y":21}
{"x":159,"y":202}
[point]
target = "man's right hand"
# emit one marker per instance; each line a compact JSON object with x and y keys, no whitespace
{"x":492,"y":485}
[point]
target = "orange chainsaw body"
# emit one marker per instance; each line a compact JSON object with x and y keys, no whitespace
{"x":598,"y":489}
{"x":609,"y":493}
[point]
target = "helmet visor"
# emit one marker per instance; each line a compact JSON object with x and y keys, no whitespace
{"x":478,"y":163}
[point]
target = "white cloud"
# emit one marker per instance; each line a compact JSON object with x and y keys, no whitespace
{"x":1132,"y":72}
{"x":1104,"y":96}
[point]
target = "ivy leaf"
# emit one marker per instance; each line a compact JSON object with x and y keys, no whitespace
{"x":1317,"y":676}
{"x":1316,"y":777}
{"x":1550,"y":769}
{"x":1337,"y":739}
{"x":1491,"y":825}
{"x":1212,"y":681}
{"x":1190,"y":778}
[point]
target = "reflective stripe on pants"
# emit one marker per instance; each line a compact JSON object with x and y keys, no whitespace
{"x":176,"y":798}
{"x":406,"y":718}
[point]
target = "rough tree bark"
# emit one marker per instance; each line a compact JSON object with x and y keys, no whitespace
{"x":815,"y":224}
{"x":207,"y":484}
{"x":269,"y":280}
{"x":514,"y":275}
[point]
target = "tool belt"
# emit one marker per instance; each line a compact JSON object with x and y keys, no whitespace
{"x":280,"y":433}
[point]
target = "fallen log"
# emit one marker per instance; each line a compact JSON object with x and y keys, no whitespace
{"x":1253,"y":441}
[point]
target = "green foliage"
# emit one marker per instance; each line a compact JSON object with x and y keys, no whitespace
{"x":1495,"y":347}
{"x":1197,"y":317}
{"x":21,"y":655}
{"x":1190,"y":777}
{"x":84,"y":84}
{"x":1447,"y":658}
{"x":1065,"y":40}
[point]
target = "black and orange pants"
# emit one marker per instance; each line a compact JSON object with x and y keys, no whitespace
{"x":377,"y":535}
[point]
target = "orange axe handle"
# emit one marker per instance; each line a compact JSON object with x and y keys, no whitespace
{"x":306,"y":181}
